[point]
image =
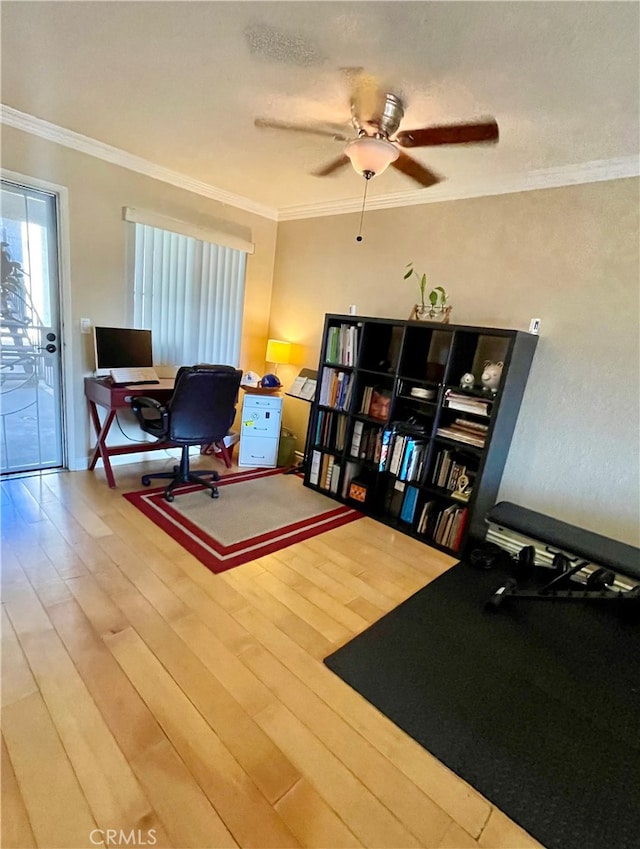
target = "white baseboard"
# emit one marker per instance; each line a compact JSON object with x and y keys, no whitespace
{"x":81,"y":464}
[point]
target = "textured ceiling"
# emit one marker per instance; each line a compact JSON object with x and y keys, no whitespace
{"x":180,"y":83}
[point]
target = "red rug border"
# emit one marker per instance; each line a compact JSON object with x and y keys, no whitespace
{"x":194,"y":540}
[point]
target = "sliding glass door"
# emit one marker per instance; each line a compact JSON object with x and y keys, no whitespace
{"x":31,"y":420}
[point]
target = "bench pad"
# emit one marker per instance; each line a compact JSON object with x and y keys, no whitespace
{"x":595,"y":548}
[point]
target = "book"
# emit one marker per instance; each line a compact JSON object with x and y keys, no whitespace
{"x":346,"y":404}
{"x":415,"y":464}
{"x":396,"y":457}
{"x":308,"y":389}
{"x":396,"y":498}
{"x":443,"y":524}
{"x":366,"y":400}
{"x":406,"y":457}
{"x":460,"y":435}
{"x":341,"y":432}
{"x":444,"y":468}
{"x":297,"y":385}
{"x":409,"y":504}
{"x":322,"y":477}
{"x":328,"y":471}
{"x":458,"y":532}
{"x":388,"y":435}
{"x":466,"y":403}
{"x":335,"y":477}
{"x":425,"y":516}
{"x":314,"y":472}
{"x":356,"y":438}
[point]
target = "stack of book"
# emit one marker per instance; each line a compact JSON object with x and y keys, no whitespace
{"x":366,"y":442}
{"x":324,"y":471}
{"x":342,"y":344}
{"x":462,"y":430}
{"x":331,"y":429}
{"x":402,"y":455}
{"x":335,"y":388}
{"x":467,"y":403}
{"x":447,"y":470}
{"x":450,"y":527}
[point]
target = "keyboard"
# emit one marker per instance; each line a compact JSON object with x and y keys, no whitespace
{"x":134,"y":376}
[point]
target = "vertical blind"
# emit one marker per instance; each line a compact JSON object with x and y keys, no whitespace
{"x":190,"y":294}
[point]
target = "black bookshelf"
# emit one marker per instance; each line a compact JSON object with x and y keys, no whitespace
{"x":392,"y":432}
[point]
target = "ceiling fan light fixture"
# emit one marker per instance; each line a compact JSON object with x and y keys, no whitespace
{"x":371,"y":156}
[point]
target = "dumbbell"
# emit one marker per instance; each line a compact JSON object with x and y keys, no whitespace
{"x":495,"y":600}
{"x":600,"y":579}
{"x":488,"y":555}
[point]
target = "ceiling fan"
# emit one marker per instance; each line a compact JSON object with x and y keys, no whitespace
{"x":376,"y":117}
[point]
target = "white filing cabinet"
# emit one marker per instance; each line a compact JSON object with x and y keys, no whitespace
{"x":260,"y":430}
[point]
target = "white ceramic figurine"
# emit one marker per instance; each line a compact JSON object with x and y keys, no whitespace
{"x":491,"y":374}
{"x":467,"y":381}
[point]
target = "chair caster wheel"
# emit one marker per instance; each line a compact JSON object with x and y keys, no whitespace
{"x":169,"y":497}
{"x":215,"y":493}
{"x":145,"y":481}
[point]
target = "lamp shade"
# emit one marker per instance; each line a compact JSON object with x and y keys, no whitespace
{"x":370,"y":154}
{"x":277,"y":351}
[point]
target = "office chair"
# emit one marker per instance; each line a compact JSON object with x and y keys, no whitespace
{"x":200,"y":411}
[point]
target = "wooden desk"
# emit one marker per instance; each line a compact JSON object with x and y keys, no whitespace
{"x":101,"y":392}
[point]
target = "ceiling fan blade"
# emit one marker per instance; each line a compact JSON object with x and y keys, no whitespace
{"x":334,"y":131}
{"x":471,"y":133}
{"x":332,"y":166}
{"x":415,"y":170}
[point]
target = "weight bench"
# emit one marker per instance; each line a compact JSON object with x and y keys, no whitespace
{"x":584,"y":565}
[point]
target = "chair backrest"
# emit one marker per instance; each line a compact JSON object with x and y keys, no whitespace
{"x":203,"y":404}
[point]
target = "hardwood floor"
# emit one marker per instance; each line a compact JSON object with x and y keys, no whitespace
{"x":143,"y":694}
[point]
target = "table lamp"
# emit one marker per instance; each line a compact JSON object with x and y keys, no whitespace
{"x":278,"y":353}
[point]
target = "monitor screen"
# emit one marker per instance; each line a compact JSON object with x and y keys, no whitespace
{"x":122,"y":347}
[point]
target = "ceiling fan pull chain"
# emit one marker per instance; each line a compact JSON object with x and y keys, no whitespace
{"x":364,"y":199}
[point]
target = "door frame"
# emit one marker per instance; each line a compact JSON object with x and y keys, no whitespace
{"x":61,"y":194}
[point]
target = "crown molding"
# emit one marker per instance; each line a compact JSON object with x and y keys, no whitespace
{"x":84,"y":144}
{"x":548,"y":178}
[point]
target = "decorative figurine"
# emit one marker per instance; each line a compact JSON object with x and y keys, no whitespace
{"x":491,"y":374}
{"x":462,"y":491}
{"x":467,"y":381}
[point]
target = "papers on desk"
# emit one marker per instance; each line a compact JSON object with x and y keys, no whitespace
{"x":303,"y":387}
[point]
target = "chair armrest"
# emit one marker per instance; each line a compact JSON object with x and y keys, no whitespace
{"x":152,"y":416}
{"x":139,"y":401}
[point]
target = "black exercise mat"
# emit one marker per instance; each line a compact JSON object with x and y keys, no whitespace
{"x":537,"y":705}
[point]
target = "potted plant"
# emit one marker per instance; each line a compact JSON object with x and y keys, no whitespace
{"x":437,"y":308}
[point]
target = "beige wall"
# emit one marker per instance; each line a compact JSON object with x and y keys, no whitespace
{"x":97,"y":192}
{"x":568,"y":256}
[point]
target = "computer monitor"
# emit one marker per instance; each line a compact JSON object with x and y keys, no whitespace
{"x":122,"y":347}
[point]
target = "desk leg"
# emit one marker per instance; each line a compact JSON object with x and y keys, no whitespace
{"x":101,"y":449}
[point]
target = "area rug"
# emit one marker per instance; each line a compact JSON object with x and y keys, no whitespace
{"x":536,"y":705}
{"x":259,"y":511}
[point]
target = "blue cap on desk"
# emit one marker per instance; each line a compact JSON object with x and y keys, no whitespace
{"x":270,"y":381}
